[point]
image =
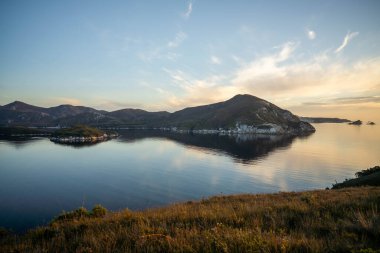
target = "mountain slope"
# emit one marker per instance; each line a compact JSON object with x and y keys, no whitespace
{"x":139,"y":117}
{"x":244,"y":110}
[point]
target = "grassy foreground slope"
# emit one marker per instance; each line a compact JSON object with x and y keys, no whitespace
{"x":341,"y":220}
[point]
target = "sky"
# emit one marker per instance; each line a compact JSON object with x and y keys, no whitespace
{"x":314,"y":58}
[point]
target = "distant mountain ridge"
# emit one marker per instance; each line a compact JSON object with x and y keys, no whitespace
{"x":243,"y":112}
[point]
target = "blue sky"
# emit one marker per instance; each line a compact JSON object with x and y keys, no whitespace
{"x":312,"y":57}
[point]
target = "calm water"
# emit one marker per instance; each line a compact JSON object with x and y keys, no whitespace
{"x":39,"y":179}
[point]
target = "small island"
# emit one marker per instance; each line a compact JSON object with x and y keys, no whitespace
{"x":357,"y":123}
{"x":81,"y":134}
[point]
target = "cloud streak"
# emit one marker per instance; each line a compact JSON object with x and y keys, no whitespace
{"x":189,"y":10}
{"x":346,"y":40}
{"x":357,"y":100}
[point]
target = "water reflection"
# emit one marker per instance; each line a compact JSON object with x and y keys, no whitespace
{"x":244,"y":148}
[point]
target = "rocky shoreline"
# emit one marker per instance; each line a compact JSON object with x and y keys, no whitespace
{"x":267,"y":129}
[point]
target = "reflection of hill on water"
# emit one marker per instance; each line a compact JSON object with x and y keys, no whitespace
{"x":243,"y":148}
{"x":77,"y":145}
{"x":20,"y":142}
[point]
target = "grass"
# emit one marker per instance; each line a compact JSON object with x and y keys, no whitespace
{"x":343,"y":220}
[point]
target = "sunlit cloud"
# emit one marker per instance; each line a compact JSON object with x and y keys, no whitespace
{"x":285,"y":80}
{"x":189,"y":10}
{"x":311,"y":34}
{"x":346,"y":39}
{"x":215,"y":60}
{"x":266,"y":66}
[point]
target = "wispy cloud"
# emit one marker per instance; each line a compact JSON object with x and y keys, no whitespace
{"x":179,"y":38}
{"x":189,"y":10}
{"x":345,"y":101}
{"x":357,"y":100}
{"x":346,"y":39}
{"x":311,"y":34}
{"x":111,"y":105}
{"x":151,"y":54}
{"x":196,"y":91}
{"x":154,"y":51}
{"x":215,"y":60}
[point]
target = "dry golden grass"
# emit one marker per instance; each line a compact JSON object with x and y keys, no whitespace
{"x":315,"y":221}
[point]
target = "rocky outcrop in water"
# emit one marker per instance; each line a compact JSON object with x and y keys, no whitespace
{"x":357,"y":123}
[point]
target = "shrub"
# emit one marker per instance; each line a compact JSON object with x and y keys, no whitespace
{"x":98,"y":211}
{"x":77,"y":214}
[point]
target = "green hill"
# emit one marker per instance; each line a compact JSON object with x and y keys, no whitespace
{"x":78,"y":131}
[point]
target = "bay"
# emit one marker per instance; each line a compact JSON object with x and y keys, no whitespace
{"x":145,"y":169}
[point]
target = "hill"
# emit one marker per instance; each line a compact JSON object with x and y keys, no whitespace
{"x":344,"y":220}
{"x":243,"y":113}
{"x":22,"y":114}
{"x":241,"y":110}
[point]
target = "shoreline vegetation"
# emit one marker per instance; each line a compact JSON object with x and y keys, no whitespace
{"x":368,"y":177}
{"x":339,"y":220}
{"x":81,"y":134}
